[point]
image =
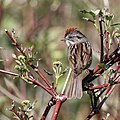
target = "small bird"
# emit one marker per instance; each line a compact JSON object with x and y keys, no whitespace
{"x":80,"y":57}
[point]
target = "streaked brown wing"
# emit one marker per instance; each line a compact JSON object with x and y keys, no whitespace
{"x":74,"y":52}
{"x":86,"y":56}
{"x":79,"y":56}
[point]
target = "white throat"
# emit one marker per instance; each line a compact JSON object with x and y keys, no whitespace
{"x":69,"y":42}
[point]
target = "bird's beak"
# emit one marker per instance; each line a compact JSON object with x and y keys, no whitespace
{"x":63,"y":39}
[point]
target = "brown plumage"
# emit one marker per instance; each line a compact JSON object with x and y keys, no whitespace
{"x":80,"y":58}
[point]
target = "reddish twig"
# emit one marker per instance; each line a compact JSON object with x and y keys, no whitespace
{"x":109,"y":88}
{"x":113,"y":58}
{"x":33,"y":80}
{"x":50,"y":104}
{"x":30,"y":63}
{"x":9,"y":73}
{"x":59,"y":100}
{"x":102,"y":86}
{"x":15,"y":43}
{"x":36,"y":82}
{"x":17,"y":114}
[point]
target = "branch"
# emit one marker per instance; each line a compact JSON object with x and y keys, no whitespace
{"x":9,"y":73}
{"x":59,"y":100}
{"x":34,"y":81}
{"x":106,"y":44}
{"x":50,"y":104}
{"x":32,"y":66}
{"x":109,"y":88}
{"x":97,"y":71}
{"x":101,"y":39}
{"x":103,"y":85}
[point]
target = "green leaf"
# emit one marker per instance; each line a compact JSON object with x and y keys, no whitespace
{"x":115,"y":24}
{"x":57,"y":68}
{"x":117,"y":35}
{"x":84,"y":11}
{"x":91,"y":12}
{"x":24,"y":79}
{"x":109,"y":17}
{"x":18,"y":62}
{"x":21,"y":57}
{"x":17,"y":67}
{"x":97,"y":12}
{"x":87,"y":19}
{"x":101,"y":13}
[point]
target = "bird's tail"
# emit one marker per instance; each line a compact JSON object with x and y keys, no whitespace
{"x":74,"y":88}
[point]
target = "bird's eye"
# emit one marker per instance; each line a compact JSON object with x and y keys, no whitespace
{"x":79,"y":37}
{"x":70,"y":37}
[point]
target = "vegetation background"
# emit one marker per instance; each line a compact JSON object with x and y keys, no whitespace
{"x":42,"y":24}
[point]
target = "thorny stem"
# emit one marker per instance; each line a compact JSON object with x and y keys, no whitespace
{"x":30,"y":63}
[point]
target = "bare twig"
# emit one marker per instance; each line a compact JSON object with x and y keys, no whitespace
{"x":34,"y":81}
{"x":101,"y":39}
{"x":50,"y":104}
{"x":59,"y":100}
{"x":106,"y":44}
{"x":9,"y":73}
{"x":102,"y":86}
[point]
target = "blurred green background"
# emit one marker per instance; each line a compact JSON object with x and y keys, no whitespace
{"x":42,"y":23}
